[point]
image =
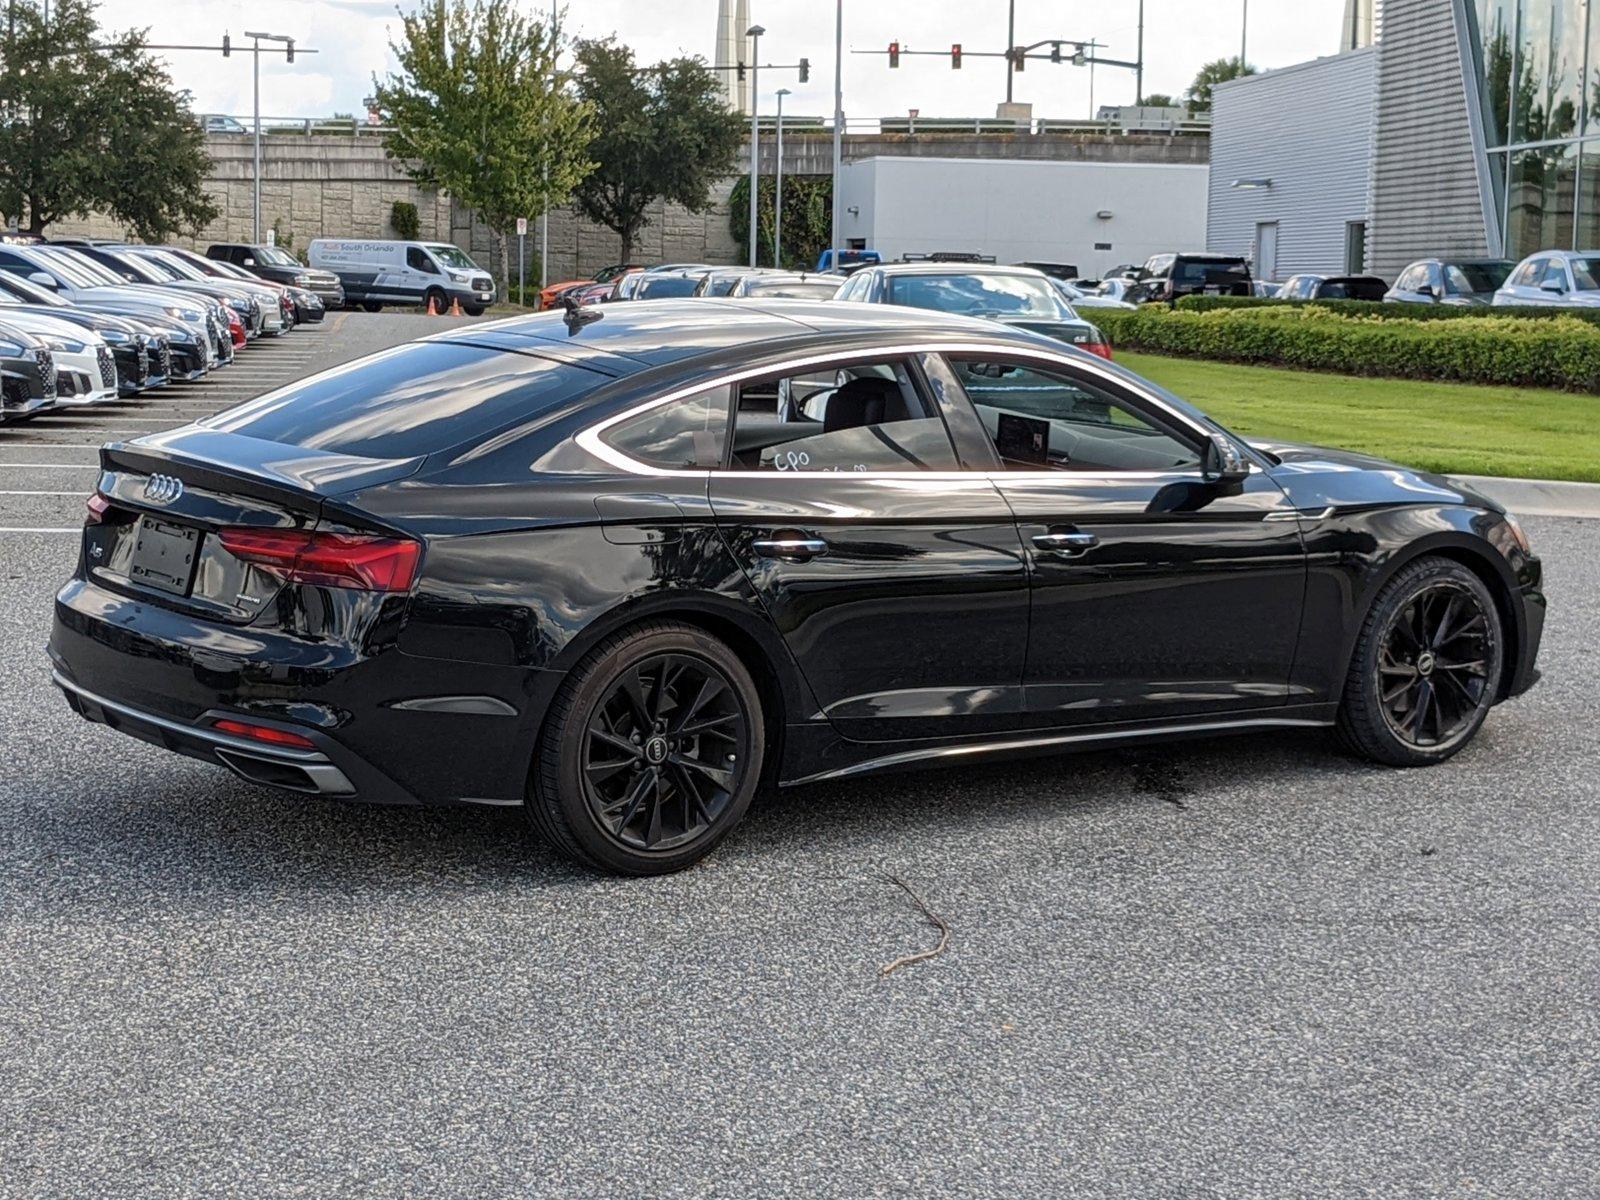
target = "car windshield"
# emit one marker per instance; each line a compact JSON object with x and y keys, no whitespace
{"x":660,"y":286}
{"x":279,"y":258}
{"x":150,"y":272}
{"x":810,"y":289}
{"x":452,"y":256}
{"x":28,"y":291}
{"x":1188,"y":271}
{"x":1585,"y":274}
{"x":78,"y":270}
{"x":1464,"y":279}
{"x":978,"y":295}
{"x":173,"y":263}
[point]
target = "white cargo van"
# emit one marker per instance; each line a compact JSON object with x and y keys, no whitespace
{"x":375,"y":273}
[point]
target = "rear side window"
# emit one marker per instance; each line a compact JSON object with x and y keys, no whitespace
{"x":413,"y":400}
{"x":686,"y":434}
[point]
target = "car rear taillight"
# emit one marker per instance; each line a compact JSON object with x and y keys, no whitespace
{"x":98,"y":506}
{"x":1103,"y":349}
{"x":347,"y":560}
{"x":263,"y":733}
{"x":236,"y":332}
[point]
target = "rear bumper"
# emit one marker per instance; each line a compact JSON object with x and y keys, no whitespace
{"x":166,"y":676}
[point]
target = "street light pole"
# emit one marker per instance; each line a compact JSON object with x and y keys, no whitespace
{"x":838,"y":128}
{"x":754,"y":34}
{"x":1011,"y":41}
{"x":777,"y":197}
{"x":1244,"y":29}
{"x":256,"y":39}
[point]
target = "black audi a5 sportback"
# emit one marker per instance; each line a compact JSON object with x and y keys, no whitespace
{"x":624,"y":565}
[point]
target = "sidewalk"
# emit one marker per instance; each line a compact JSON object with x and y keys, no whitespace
{"x":1538,"y":497}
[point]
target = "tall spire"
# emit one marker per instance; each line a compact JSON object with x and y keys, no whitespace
{"x":733,"y":19}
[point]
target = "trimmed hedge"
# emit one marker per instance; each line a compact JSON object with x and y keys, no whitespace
{"x":1384,"y":310}
{"x":1560,"y":353}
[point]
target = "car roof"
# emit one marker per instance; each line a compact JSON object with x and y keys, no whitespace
{"x":625,"y":339}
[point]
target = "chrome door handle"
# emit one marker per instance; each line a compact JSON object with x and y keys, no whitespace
{"x":1067,"y":544}
{"x":792,"y":547}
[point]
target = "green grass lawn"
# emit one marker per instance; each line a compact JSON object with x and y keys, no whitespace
{"x":1524,"y":432}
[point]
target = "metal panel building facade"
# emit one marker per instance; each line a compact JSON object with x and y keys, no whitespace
{"x":1291,"y":166}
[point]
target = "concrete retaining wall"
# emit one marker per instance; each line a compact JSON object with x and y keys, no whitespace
{"x":342,"y":185}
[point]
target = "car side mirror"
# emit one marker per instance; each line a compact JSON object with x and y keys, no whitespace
{"x":1222,"y":462}
{"x":43,"y":279}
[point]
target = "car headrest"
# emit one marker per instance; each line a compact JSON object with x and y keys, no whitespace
{"x":864,"y":401}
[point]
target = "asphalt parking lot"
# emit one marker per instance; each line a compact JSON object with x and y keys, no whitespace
{"x":1243,"y":968}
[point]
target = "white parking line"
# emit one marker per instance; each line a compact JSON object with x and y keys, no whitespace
{"x":47,"y":466}
{"x":41,"y":529}
{"x":42,"y":493}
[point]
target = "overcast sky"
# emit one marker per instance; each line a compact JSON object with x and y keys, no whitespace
{"x":353,"y":35}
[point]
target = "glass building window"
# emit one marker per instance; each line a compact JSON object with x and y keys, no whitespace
{"x":1496,"y":22}
{"x":1541,"y":196}
{"x":1547,"y":96}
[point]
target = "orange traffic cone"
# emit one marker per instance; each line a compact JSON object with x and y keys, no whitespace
{"x":432,"y":310}
{"x":455,"y":308}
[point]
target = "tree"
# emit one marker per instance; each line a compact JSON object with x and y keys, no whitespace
{"x":478,"y":109}
{"x":89,"y":122}
{"x":1217,"y":71}
{"x":807,"y":218}
{"x":1160,"y":100}
{"x":664,"y":133}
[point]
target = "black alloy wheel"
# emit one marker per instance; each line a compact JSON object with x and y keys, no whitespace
{"x":1427,"y":666}
{"x":652,"y":753}
{"x":663,"y":751}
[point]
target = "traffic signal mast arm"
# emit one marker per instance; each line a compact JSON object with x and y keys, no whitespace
{"x":1081,"y":57}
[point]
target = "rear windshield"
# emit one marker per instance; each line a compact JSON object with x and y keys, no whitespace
{"x":808,"y":289}
{"x":660,"y":286}
{"x":413,"y":400}
{"x":1190,"y":271}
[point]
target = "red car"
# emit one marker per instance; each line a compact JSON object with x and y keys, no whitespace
{"x":235,"y":328}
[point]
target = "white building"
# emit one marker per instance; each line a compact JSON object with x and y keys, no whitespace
{"x":1095,"y":214}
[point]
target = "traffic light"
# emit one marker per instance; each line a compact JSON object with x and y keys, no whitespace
{"x":894,"y":54}
{"x":955,"y":57}
{"x":741,"y":70}
{"x":1019,"y":59}
{"x":805,"y":70}
{"x":227,"y":46}
{"x":1055,"y":52}
{"x":289,"y":54}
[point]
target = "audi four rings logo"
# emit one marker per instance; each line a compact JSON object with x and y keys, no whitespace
{"x":162,"y":489}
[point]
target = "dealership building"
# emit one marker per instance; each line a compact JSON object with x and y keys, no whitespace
{"x":1454,"y":128}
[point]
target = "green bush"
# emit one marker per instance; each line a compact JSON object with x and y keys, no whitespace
{"x":1562,"y":351}
{"x":1387,"y":311}
{"x":403,"y":216}
{"x":807,"y":218}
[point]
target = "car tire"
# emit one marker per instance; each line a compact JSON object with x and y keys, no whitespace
{"x":437,"y":298}
{"x":371,"y":306}
{"x":651,"y":752}
{"x":473,"y":310}
{"x":1426,"y":668}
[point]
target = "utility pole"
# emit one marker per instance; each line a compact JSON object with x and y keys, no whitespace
{"x":256,"y":39}
{"x":838,"y":127}
{"x":1244,"y":29}
{"x":1138,"y":75}
{"x":1011,"y":41}
{"x":754,"y":34}
{"x":777,"y":196}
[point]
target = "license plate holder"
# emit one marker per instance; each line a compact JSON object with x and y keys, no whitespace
{"x":164,"y":555}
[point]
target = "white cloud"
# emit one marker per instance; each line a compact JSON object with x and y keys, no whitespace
{"x":352,"y":37}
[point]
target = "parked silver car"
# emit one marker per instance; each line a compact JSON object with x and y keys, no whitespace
{"x":1554,"y":278}
{"x":1461,"y":283}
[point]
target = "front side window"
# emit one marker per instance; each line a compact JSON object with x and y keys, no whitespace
{"x":862,"y":417}
{"x":1049,"y":419}
{"x":686,"y":434}
{"x":1555,"y":276}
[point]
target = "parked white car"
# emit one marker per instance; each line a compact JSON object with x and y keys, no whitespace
{"x":1553,"y":278}
{"x":86,"y":372}
{"x":1080,"y":298}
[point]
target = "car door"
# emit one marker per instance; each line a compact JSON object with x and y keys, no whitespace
{"x":893,"y":572}
{"x":1157,"y":594}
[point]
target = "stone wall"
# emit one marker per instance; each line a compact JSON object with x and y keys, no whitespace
{"x":342,"y":185}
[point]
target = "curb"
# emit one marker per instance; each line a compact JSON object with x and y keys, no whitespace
{"x":1538,"y":497}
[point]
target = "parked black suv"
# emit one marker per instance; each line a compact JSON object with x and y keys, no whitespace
{"x":1168,"y":276}
{"x":279,"y":266}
